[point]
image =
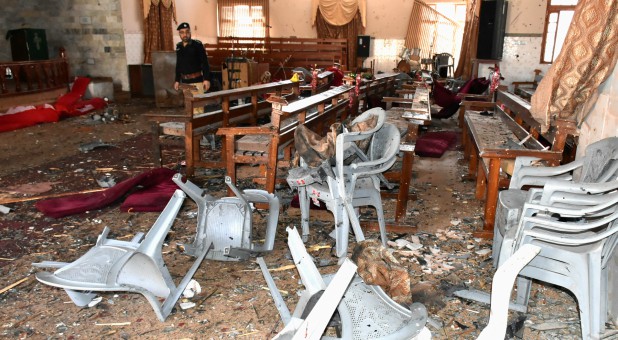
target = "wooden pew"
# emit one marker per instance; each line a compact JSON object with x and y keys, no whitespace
{"x":263,"y":144}
{"x":509,"y":132}
{"x":193,"y":126}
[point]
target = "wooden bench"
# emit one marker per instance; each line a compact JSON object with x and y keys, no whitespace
{"x":508,"y":133}
{"x":192,"y":126}
{"x":382,"y":84}
{"x":262,"y":145}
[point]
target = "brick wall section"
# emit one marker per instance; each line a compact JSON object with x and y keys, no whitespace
{"x":91,"y":31}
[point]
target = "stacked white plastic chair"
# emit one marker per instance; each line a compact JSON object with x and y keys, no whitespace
{"x":598,"y":165}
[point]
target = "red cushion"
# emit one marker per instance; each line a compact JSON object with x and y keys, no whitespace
{"x":434,"y":144}
{"x":446,"y":112}
{"x":475,"y":86}
{"x":28,"y":118}
{"x":444,"y":97}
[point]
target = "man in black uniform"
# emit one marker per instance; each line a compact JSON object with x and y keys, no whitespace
{"x":191,"y":63}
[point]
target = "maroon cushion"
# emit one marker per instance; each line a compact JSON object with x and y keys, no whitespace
{"x":475,"y":86}
{"x":446,"y":112}
{"x":434,"y":144}
{"x":444,"y":97}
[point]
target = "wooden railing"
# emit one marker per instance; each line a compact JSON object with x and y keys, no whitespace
{"x":28,"y":77}
{"x":280,"y":53}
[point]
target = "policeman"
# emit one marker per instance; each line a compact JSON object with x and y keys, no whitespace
{"x":191,"y":61}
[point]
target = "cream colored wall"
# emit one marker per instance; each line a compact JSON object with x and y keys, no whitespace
{"x":525,"y":16}
{"x":291,"y":19}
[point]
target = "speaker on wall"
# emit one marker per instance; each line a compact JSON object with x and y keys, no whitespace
{"x":492,"y":24}
{"x":362,"y":46}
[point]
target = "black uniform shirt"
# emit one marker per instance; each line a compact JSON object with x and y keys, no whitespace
{"x":191,"y":59}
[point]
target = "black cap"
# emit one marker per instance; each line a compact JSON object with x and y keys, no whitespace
{"x":183,"y":25}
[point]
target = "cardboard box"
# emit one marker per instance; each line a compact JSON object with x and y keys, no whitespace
{"x":239,"y":73}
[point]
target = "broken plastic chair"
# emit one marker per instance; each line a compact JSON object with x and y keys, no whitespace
{"x":227,"y":222}
{"x":575,"y":254}
{"x":501,"y":287}
{"x":133,"y":266}
{"x":353,"y":185}
{"x":598,"y":165}
{"x":365,"y":312}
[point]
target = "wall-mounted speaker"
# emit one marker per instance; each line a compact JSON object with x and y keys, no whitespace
{"x":492,"y":24}
{"x":362,"y":46}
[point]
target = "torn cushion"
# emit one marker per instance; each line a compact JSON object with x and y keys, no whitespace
{"x":443,"y":97}
{"x":150,"y":184}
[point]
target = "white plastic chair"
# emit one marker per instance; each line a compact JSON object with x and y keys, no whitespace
{"x":354,"y":185}
{"x":132,"y":266}
{"x":576,"y":248}
{"x":365,"y":312}
{"x":227,"y":222}
{"x":598,"y":165}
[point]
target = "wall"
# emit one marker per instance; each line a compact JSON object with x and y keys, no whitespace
{"x":89,"y":30}
{"x":522,"y":43}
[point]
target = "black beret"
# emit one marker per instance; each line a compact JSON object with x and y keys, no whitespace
{"x":183,"y":25}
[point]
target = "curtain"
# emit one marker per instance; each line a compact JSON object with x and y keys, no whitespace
{"x":349,"y":31}
{"x":587,"y":58}
{"x":158,"y":31}
{"x":339,"y":12}
{"x":470,"y":40}
{"x":430,"y":31}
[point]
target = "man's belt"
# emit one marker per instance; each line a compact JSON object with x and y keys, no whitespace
{"x":191,"y":75}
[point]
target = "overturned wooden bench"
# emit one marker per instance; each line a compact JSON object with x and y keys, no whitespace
{"x":264,"y":145}
{"x":507,"y":132}
{"x":240,"y":105}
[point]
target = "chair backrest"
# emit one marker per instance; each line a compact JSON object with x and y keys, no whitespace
{"x":381,"y":154}
{"x":601,"y":161}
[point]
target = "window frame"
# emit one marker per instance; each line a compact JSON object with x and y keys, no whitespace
{"x":251,"y":3}
{"x":550,"y":10}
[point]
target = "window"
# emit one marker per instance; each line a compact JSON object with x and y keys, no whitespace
{"x":557,"y":21}
{"x":244,"y":19}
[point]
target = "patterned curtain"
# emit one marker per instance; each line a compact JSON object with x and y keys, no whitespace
{"x":158,"y":31}
{"x":587,"y":58}
{"x":349,"y":31}
{"x":470,"y":40}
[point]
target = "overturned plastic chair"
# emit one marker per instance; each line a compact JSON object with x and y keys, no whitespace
{"x":577,"y":246}
{"x":135,"y":266}
{"x":365,"y":312}
{"x":227,"y":222}
{"x":352,"y":185}
{"x":598,"y":165}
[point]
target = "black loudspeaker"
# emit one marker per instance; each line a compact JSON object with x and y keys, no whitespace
{"x":362,"y":46}
{"x":492,"y":24}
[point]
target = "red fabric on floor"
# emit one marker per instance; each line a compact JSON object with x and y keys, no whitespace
{"x":79,"y":107}
{"x":434,"y":144}
{"x":28,"y":118}
{"x":152,"y":193}
{"x":67,"y":101}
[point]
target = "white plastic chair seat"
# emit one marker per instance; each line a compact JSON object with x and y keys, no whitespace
{"x":132,"y":266}
{"x":227,"y":223}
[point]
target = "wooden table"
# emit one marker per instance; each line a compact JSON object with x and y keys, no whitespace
{"x":494,"y":139}
{"x":407,"y":119}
